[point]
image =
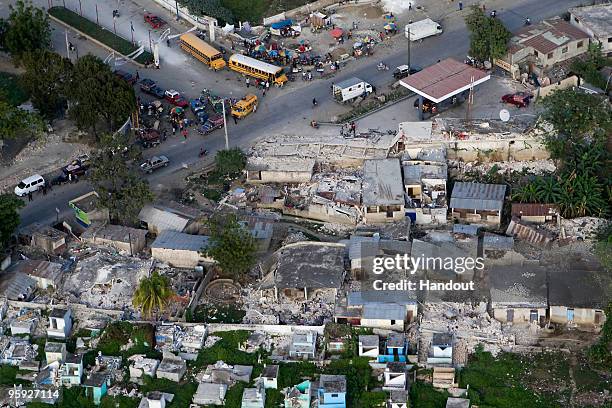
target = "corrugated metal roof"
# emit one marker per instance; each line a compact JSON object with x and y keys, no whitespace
{"x":380,"y":297}
{"x":386,"y":312}
{"x":414,"y":173}
{"x":470,"y":229}
{"x":444,"y":79}
{"x":533,"y":210}
{"x":494,"y":241}
{"x":162,"y":220}
{"x":478,"y":196}
{"x":382,"y":182}
{"x":180,"y":241}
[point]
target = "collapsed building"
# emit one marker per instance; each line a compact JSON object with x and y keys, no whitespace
{"x":425,"y":185}
{"x":383,"y":194}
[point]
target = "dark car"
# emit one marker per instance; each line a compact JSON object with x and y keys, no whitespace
{"x":147,"y":84}
{"x":214,"y":122}
{"x":404,"y":70}
{"x":158,"y":92}
{"x":126,"y":76}
{"x":519,"y":99}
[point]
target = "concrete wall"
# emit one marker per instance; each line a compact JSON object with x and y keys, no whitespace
{"x":276,"y":329}
{"x":201,"y":22}
{"x":398,"y":325}
{"x":381,"y":216}
{"x":430,"y":216}
{"x":563,"y":84}
{"x":558,"y":314}
{"x":177,"y":258}
{"x":526,"y":149}
{"x":478,"y":217}
{"x":521,"y":314}
{"x":76,"y":307}
{"x":271,"y":176}
{"x":572,"y":49}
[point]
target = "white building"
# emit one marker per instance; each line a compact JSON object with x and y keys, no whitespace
{"x":369,"y":345}
{"x":596,"y":21}
{"x":60,"y":323}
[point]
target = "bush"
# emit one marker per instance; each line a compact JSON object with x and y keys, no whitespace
{"x":10,"y":87}
{"x":106,"y":37}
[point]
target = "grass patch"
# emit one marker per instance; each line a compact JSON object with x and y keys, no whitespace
{"x":218,"y":314}
{"x":426,"y":396}
{"x":226,"y":350}
{"x":106,"y":37}
{"x":119,"y":401}
{"x":183,"y":391}
{"x":12,"y":89}
{"x":510,"y":380}
{"x":8,"y":375}
{"x":118,"y":334}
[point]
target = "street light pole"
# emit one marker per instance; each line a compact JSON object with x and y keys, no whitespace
{"x":150,"y":46}
{"x":408,"y":33}
{"x":225,"y":126}
{"x":67,"y":46}
{"x":80,"y":9}
{"x":97,"y":18}
{"x":177,"y":11}
{"x":115,"y":25}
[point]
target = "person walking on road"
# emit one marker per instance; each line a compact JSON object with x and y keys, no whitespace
{"x":30,"y":196}
{"x":460,"y":5}
{"x":185,"y":133}
{"x":137,"y":76}
{"x":235,"y":120}
{"x":247,"y":82}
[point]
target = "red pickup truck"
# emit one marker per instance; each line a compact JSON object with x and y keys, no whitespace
{"x":176,"y":99}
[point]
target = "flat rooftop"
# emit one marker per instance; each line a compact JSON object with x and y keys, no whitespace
{"x":443,"y":80}
{"x":283,"y":164}
{"x":597,"y":18}
{"x":117,"y":233}
{"x":333,"y":383}
{"x":309,"y":265}
{"x":179,"y":241}
{"x":382,"y":182}
{"x":519,"y":285}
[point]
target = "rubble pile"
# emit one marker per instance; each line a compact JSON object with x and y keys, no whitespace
{"x":534,"y":167}
{"x":470,"y":324}
{"x":262,"y":309}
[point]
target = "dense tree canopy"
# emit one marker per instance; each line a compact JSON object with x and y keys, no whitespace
{"x":27,"y":29}
{"x":122,"y":191}
{"x":96,"y":94}
{"x":231,"y":245}
{"x":14,"y":120}
{"x":47,"y":78}
{"x":9,"y":206}
{"x":488,"y":36}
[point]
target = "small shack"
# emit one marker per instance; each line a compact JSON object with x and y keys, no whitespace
{"x":179,"y":250}
{"x":124,"y":239}
{"x":86,"y":209}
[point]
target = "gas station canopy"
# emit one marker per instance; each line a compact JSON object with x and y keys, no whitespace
{"x":444,"y":80}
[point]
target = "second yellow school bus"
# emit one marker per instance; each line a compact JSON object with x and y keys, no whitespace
{"x":202,"y":51}
{"x":257,"y":69}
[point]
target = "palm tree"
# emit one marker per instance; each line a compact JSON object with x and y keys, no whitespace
{"x":526,"y":193}
{"x":152,"y":294}
{"x":548,"y":190}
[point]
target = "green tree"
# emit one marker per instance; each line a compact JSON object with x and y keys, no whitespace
{"x":153,"y":294}
{"x":229,"y":164}
{"x":588,"y":67}
{"x":231,"y":245}
{"x":15,"y":121}
{"x":527,"y":193}
{"x":213,"y":8}
{"x":576,"y":118}
{"x":96,"y":94}
{"x":121,"y":190}
{"x":488,"y":36}
{"x":9,"y":206}
{"x":27,"y":29}
{"x":548,"y":190}
{"x":47,"y":78}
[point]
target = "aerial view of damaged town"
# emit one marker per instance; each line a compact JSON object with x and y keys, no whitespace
{"x":306,"y":204}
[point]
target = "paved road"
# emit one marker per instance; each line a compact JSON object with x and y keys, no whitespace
{"x":290,"y":110}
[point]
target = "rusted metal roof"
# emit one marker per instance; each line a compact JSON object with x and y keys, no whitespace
{"x":533,"y":210}
{"x":444,"y":80}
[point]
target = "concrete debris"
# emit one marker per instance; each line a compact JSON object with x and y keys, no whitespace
{"x":210,"y":341}
{"x":470,"y":325}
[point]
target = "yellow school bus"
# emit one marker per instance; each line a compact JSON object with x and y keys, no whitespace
{"x":257,"y":69}
{"x":202,"y":51}
{"x":244,"y":106}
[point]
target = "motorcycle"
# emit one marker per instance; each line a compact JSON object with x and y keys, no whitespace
{"x":314,"y":124}
{"x":382,"y":67}
{"x":527,"y":21}
{"x":203,"y":152}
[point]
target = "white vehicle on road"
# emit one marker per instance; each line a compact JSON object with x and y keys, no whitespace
{"x":154,"y":163}
{"x":29,"y":185}
{"x":422,"y":29}
{"x":350,"y":89}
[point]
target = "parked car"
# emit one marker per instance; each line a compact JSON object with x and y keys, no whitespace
{"x":147,"y":84}
{"x":197,"y":106}
{"x":175,"y":98}
{"x":29,"y":185}
{"x":158,"y":92}
{"x":154,"y":163}
{"x":404,"y":70}
{"x":154,"y":21}
{"x":213,"y":123}
{"x":76,"y":168}
{"x":518,"y":99}
{"x":149,"y":137}
{"x":126,"y":76}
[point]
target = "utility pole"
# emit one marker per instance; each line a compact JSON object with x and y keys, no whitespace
{"x":80,"y":9}
{"x":97,"y":18}
{"x":115,"y":24}
{"x":225,"y":126}
{"x":150,"y":46}
{"x":408,"y":36}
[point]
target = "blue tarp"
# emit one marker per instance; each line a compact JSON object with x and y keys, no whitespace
{"x":282,"y":24}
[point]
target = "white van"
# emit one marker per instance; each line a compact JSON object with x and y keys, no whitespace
{"x":30,"y":185}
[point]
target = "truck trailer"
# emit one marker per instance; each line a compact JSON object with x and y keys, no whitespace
{"x":350,"y":89}
{"x":422,"y":29}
